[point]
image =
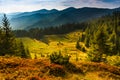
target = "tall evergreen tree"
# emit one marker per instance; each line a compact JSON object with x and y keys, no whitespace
{"x":78,"y":45}
{"x":23,"y":52}
{"x":100,"y":45}
{"x":116,"y":17}
{"x":7,"y":44}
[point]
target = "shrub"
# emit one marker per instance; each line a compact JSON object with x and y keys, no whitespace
{"x":72,"y":68}
{"x":93,"y":56}
{"x":57,"y":70}
{"x":113,"y":60}
{"x":58,"y":58}
{"x":78,"y":45}
{"x":34,"y":78}
{"x":83,"y":49}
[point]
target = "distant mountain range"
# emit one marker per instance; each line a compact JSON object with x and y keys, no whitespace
{"x":46,"y":18}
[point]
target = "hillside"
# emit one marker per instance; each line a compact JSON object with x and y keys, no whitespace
{"x":54,"y":43}
{"x":14,"y":68}
{"x":47,"y":18}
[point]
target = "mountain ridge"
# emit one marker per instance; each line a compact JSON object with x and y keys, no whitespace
{"x":47,"y":18}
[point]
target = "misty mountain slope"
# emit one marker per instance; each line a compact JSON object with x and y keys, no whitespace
{"x":26,"y":19}
{"x":42,"y":11}
{"x":80,"y":15}
{"x":46,"y":18}
{"x":71,"y":15}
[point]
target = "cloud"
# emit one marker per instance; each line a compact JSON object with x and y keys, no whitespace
{"x":92,"y":3}
{"x":30,"y":5}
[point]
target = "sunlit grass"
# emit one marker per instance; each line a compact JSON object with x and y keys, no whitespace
{"x":15,"y":68}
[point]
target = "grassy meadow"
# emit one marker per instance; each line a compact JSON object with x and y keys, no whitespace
{"x":66,"y":44}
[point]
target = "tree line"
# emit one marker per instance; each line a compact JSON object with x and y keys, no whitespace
{"x":38,"y":33}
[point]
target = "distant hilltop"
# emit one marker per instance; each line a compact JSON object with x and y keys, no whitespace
{"x":47,"y":18}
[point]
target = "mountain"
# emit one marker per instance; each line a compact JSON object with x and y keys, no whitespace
{"x":46,"y":18}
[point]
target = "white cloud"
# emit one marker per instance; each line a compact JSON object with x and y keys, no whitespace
{"x":30,"y":5}
{"x":91,"y":3}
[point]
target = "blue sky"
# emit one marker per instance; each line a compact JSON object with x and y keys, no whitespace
{"x":9,"y":6}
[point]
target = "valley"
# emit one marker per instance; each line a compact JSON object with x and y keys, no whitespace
{"x":69,"y":44}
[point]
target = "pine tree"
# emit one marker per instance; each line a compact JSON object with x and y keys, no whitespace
{"x":100,"y":45}
{"x":116,"y":18}
{"x":22,"y":50}
{"x":1,"y":40}
{"x":7,"y":43}
{"x":24,"y":53}
{"x":78,"y":45}
{"x":28,"y":53}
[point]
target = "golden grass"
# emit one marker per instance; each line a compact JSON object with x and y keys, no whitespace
{"x":14,"y":68}
{"x":40,"y":48}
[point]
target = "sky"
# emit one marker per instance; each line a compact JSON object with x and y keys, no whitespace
{"x":10,"y":6}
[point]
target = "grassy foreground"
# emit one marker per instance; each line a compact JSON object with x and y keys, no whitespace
{"x":14,"y":68}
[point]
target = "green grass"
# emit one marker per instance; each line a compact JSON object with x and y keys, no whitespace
{"x":64,"y":43}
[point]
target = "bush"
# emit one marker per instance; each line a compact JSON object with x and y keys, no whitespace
{"x":73,"y":69}
{"x":57,"y":70}
{"x":94,"y":56}
{"x":78,"y":45}
{"x":113,"y":60}
{"x":83,"y":49}
{"x":34,"y":78}
{"x":58,"y":58}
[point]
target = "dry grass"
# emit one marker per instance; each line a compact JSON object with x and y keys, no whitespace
{"x":14,"y":68}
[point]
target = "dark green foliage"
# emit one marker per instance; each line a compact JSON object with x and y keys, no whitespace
{"x":35,"y":56}
{"x":8,"y":44}
{"x":87,"y":41}
{"x":83,"y":49}
{"x":78,"y":45}
{"x":7,"y":39}
{"x":24,"y":53}
{"x":57,"y":71}
{"x":72,"y":68}
{"x":58,"y":58}
{"x":28,"y":53}
{"x":103,"y":37}
{"x":22,"y":50}
{"x":39,"y":33}
{"x":100,"y":45}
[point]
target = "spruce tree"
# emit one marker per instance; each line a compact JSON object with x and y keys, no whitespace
{"x":7,"y":43}
{"x":24,"y":52}
{"x":28,"y":53}
{"x":78,"y":45}
{"x":99,"y":46}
